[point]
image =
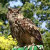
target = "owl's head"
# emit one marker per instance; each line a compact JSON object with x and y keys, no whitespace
{"x":13,"y":14}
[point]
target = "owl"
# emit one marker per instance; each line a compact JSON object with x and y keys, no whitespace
{"x":23,"y":29}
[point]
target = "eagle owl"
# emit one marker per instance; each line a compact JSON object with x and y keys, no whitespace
{"x":23,"y":29}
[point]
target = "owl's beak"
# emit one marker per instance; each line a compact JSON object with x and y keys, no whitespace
{"x":15,"y":14}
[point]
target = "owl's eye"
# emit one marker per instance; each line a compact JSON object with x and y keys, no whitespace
{"x":11,"y":11}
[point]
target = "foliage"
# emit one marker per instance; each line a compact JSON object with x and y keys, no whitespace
{"x":27,"y":10}
{"x":23,"y":1}
{"x":3,"y":2}
{"x":46,"y":40}
{"x":7,"y":43}
{"x":4,"y":27}
{"x":1,"y":23}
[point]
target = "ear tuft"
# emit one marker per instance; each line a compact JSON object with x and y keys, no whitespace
{"x":9,"y":9}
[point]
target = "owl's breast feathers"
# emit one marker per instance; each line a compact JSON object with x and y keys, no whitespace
{"x":29,"y":27}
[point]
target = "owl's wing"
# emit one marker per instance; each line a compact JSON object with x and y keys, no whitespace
{"x":27,"y":25}
{"x":34,"y":30}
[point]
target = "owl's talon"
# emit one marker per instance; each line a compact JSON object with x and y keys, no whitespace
{"x":29,"y":47}
{"x":25,"y":46}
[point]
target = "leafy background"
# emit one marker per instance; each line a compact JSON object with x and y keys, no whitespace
{"x":37,"y":10}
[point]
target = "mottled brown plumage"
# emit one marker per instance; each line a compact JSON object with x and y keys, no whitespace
{"x":23,"y":29}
